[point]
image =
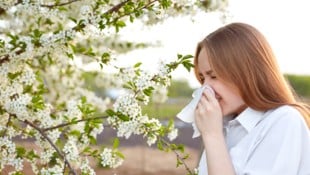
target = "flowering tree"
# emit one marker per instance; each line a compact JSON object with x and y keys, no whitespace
{"x":42,"y":90}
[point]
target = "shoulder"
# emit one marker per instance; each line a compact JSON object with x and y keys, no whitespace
{"x":285,"y":110}
{"x":286,"y":116}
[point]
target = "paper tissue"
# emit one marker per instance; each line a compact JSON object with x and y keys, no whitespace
{"x":188,"y":112}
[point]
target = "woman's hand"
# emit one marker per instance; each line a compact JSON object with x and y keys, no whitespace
{"x":209,"y":120}
{"x":208,"y":115}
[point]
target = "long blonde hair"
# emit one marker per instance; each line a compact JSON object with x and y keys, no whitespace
{"x":239,"y":54}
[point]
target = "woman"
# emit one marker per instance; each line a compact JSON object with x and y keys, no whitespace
{"x":253,"y":125}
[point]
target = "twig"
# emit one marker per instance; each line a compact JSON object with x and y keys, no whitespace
{"x":116,"y":7}
{"x":5,"y":58}
{"x":126,"y":14}
{"x":178,"y":157}
{"x":42,"y":132}
{"x":71,"y":123}
{"x":60,"y":4}
{"x":7,"y":125}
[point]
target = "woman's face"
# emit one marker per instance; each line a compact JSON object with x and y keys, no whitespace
{"x":227,"y":94}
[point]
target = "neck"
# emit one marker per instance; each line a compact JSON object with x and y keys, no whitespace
{"x":240,"y":109}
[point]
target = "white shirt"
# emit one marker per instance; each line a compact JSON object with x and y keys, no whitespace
{"x":276,"y":142}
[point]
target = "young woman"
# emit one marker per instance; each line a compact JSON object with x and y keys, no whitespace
{"x":253,"y":125}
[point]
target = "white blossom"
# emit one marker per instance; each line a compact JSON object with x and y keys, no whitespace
{"x":55,"y":170}
{"x":73,"y":111}
{"x":127,"y":105}
{"x":18,"y":106}
{"x":8,"y":154}
{"x":127,"y":74}
{"x":86,"y":168}
{"x":110,"y":159}
{"x":70,"y":149}
{"x":6,"y":4}
{"x":40,"y":46}
{"x":46,"y":155}
{"x":151,"y":139}
{"x":4,"y":118}
{"x":172,"y":134}
{"x":54,"y":135}
{"x":96,"y":130}
{"x":144,"y":80}
{"x":125,"y":129}
{"x":27,"y":77}
{"x":44,"y":116}
{"x":163,"y":69}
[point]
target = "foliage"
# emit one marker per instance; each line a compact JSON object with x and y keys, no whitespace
{"x":42,"y":92}
{"x":300,"y":83}
{"x":180,"y":88}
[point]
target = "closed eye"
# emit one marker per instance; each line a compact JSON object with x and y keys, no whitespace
{"x":201,"y":78}
{"x":213,"y":77}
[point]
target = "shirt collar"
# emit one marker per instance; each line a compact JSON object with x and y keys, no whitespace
{"x":249,"y":118}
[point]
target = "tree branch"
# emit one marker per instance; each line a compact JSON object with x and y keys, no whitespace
{"x":74,"y":122}
{"x":116,"y":7}
{"x":126,"y":14}
{"x":7,"y":125}
{"x":2,"y":11}
{"x":178,"y":157}
{"x":42,"y":132}
{"x":5,"y":58}
{"x":60,"y":4}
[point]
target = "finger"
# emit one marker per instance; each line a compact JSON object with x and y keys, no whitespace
{"x":204,"y":103}
{"x":199,"y":109}
{"x":209,"y":95}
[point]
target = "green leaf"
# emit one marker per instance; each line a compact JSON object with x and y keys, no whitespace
{"x":119,"y":154}
{"x":188,"y":65}
{"x":115,"y":143}
{"x":110,"y":112}
{"x":165,"y":3}
{"x":70,"y":55}
{"x":179,"y":162}
{"x":160,"y":145}
{"x":179,"y":56}
{"x":20,"y":151}
{"x":75,"y":133}
{"x":105,"y":57}
{"x":148,"y":91}
{"x":187,"y":57}
{"x":32,"y":155}
{"x":170,"y":124}
{"x":12,"y":76}
{"x":120,"y":23}
{"x":92,"y":140}
{"x":137,"y":65}
{"x":72,"y":19}
{"x":87,"y":150}
{"x":83,"y":99}
{"x":123,"y":117}
{"x":17,"y":173}
{"x":180,"y":147}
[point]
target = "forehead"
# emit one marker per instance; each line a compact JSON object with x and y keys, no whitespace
{"x":203,"y":63}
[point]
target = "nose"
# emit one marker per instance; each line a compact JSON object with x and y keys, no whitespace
{"x":206,"y":82}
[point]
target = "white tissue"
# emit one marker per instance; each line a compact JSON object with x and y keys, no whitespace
{"x":188,"y":112}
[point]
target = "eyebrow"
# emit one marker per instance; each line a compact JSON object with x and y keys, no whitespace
{"x":209,"y":72}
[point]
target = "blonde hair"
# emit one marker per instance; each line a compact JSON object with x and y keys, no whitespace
{"x":239,"y":54}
